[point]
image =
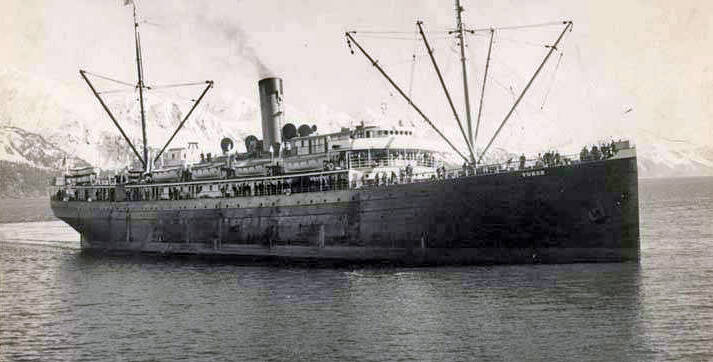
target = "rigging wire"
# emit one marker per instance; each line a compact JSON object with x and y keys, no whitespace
{"x":394,"y":32}
{"x":110,"y":79}
{"x":471,"y":31}
{"x":413,"y":62}
{"x":167,"y":96}
{"x":386,"y":37}
{"x":176,"y":85}
{"x":114,"y":91}
{"x":510,"y":91}
{"x":552,"y":83}
{"x":524,"y":42}
{"x":518,"y":27}
{"x":369,"y":36}
{"x":510,"y":70}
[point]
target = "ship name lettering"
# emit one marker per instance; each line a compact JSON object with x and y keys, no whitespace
{"x":533,"y":173}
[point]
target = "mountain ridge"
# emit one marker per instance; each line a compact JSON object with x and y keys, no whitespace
{"x":39,"y":128}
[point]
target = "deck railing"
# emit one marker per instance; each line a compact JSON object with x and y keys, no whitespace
{"x":311,"y":182}
{"x":357,"y":162}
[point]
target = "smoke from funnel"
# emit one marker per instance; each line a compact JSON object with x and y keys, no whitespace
{"x":238,"y":42}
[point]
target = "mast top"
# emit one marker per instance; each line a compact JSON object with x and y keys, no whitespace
{"x":464,"y":70}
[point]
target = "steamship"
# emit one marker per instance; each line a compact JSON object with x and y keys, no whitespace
{"x":357,"y":195}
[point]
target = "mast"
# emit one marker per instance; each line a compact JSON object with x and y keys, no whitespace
{"x":140,"y":85}
{"x":461,"y":30}
{"x":145,"y":161}
{"x":445,"y":89}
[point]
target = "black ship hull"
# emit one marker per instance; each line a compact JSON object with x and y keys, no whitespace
{"x":579,"y":213}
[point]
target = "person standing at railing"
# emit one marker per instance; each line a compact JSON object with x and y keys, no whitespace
{"x":612,"y":147}
{"x":606,"y":151}
{"x":595,"y":154}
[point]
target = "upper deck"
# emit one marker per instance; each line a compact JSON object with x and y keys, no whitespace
{"x":381,"y":172}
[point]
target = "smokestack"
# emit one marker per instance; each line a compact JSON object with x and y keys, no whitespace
{"x":270,"y":90}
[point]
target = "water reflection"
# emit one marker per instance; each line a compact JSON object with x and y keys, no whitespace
{"x":143,"y":307}
{"x":57,"y":303}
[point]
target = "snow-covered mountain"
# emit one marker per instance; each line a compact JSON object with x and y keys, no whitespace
{"x":82,"y":129}
{"x":662,"y":157}
{"x":40,"y":125}
{"x":27,"y":148}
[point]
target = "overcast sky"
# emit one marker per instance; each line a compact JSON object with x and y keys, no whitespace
{"x":651,"y":56}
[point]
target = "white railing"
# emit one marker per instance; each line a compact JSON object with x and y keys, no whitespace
{"x":356,"y":162}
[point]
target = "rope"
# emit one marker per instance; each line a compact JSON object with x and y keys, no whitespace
{"x":521,"y":42}
{"x":512,"y":93}
{"x":552,"y":83}
{"x":116,"y":91}
{"x":399,"y":37}
{"x":168,"y":96}
{"x":413,"y":63}
{"x":471,"y":31}
{"x":110,"y":79}
{"x":514,"y":72}
{"x":163,"y":86}
{"x":393,"y":32}
{"x":386,"y":37}
{"x":509,"y":90}
{"x":518,"y":27}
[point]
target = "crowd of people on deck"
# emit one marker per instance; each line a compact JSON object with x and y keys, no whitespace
{"x":284,"y":186}
{"x":602,"y":152}
{"x":552,"y":158}
{"x":316,"y":183}
{"x":384,"y":178}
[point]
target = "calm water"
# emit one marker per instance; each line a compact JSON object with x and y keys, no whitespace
{"x":58,"y":304}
